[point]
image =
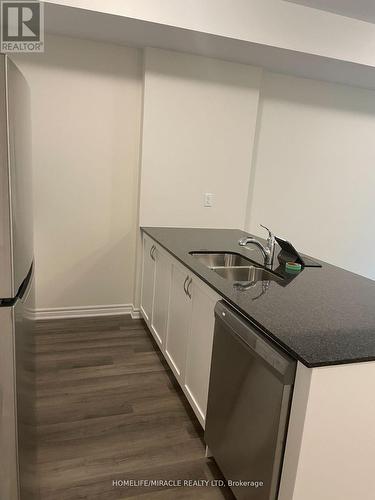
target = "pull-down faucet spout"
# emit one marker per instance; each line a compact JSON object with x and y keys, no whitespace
{"x":267,"y":251}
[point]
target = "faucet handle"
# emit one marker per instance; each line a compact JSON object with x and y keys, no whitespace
{"x":270,"y":233}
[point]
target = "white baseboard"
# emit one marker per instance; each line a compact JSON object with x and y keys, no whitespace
{"x":136,"y":313}
{"x":87,"y":312}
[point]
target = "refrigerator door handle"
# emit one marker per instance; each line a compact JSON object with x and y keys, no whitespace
{"x":25,"y":288}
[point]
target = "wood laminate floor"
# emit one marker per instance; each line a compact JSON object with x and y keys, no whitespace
{"x":108,"y":408}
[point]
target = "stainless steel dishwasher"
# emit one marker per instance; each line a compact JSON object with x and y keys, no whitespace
{"x":250,"y":391}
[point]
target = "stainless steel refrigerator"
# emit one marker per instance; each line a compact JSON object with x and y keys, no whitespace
{"x":17,"y":370}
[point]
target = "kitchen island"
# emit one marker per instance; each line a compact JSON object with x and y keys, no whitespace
{"x":325,"y":319}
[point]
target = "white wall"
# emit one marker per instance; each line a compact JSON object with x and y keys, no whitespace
{"x":329,"y":452}
{"x":86,"y":110}
{"x":314,"y":172}
{"x":198,"y":127}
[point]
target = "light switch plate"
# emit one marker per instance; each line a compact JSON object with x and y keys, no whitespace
{"x":208,"y":199}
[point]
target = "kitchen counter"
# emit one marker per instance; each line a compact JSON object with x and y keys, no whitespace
{"x":321,"y":316}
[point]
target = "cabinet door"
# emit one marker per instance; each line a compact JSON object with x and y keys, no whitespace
{"x":199,"y":349}
{"x":178,"y":321}
{"x":148,"y":277}
{"x":162,"y":286}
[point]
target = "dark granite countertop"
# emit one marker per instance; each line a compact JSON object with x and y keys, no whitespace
{"x":321,"y":316}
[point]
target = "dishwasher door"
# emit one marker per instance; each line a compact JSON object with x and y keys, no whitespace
{"x":249,"y":399}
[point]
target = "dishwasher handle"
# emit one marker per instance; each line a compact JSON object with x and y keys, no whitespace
{"x":279,"y":361}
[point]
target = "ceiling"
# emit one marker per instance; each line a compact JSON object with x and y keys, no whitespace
{"x":91,"y":25}
{"x":358,"y":9}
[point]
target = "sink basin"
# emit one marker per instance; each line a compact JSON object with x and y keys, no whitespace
{"x":234,"y":267}
{"x":221,"y":259}
{"x":248,"y":274}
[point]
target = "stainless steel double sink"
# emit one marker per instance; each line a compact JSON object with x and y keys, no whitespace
{"x":235,"y":267}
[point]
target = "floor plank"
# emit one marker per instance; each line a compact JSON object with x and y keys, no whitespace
{"x":108,"y":408}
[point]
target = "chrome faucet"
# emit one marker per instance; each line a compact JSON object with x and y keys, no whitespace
{"x":267,"y":251}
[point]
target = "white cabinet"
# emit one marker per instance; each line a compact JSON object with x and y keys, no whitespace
{"x":179,"y":310}
{"x":199,"y":348}
{"x":179,"y":321}
{"x":148,"y":278}
{"x":156,"y":277}
{"x":162,"y":284}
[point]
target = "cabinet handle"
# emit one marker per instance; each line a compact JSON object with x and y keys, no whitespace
{"x":153,"y":248}
{"x":186,"y":279}
{"x":188,"y":288}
